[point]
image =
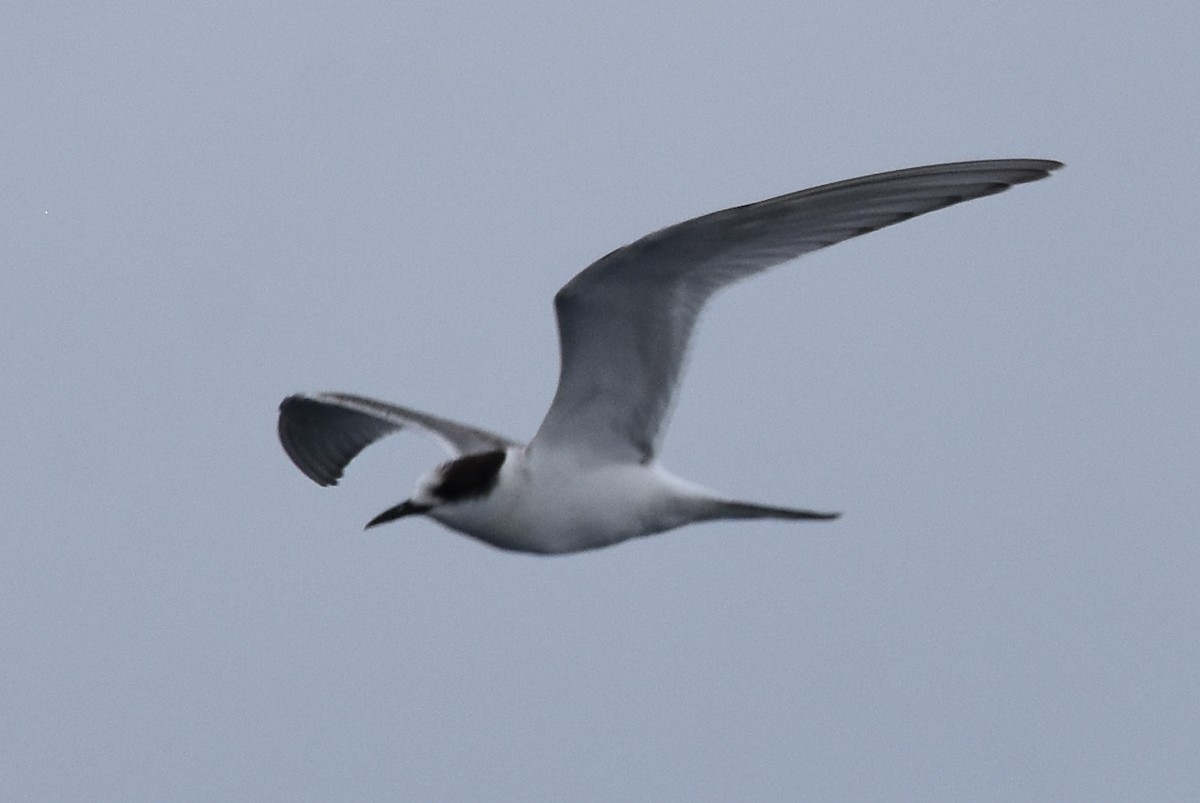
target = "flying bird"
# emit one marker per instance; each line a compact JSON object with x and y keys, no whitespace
{"x":590,"y":476}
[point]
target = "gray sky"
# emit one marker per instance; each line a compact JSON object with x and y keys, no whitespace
{"x":206,"y":209}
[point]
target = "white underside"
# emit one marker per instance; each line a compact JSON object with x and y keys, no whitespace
{"x":562,"y":505}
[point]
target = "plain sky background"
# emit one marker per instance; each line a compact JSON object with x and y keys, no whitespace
{"x":206,"y":207}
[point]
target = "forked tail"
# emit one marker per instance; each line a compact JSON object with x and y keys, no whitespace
{"x":749,"y":510}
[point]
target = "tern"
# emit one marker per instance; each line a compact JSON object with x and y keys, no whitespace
{"x":590,"y":476}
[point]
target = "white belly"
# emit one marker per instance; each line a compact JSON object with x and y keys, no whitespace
{"x":567,"y":507}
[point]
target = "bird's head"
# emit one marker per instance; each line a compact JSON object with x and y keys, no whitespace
{"x":458,"y":480}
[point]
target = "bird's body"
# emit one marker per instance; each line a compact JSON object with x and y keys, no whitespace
{"x":559,"y":505}
{"x":590,"y":477}
{"x":551,"y":505}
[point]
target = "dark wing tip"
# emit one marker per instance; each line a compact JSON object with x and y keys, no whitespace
{"x":322,"y":436}
{"x":301,"y":435}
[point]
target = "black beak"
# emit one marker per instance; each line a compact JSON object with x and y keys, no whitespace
{"x":406,"y":508}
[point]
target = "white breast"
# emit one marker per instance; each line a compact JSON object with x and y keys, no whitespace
{"x":562,"y":506}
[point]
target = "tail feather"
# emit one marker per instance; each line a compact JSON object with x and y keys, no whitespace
{"x":749,"y":510}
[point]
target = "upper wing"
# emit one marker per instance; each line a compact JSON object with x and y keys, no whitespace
{"x":323,"y":433}
{"x":624,"y":322}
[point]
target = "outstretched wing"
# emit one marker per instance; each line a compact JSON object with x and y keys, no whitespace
{"x":625,"y":321}
{"x":323,"y":433}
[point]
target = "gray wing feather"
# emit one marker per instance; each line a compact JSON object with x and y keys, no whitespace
{"x":323,"y":433}
{"x":625,"y":321}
